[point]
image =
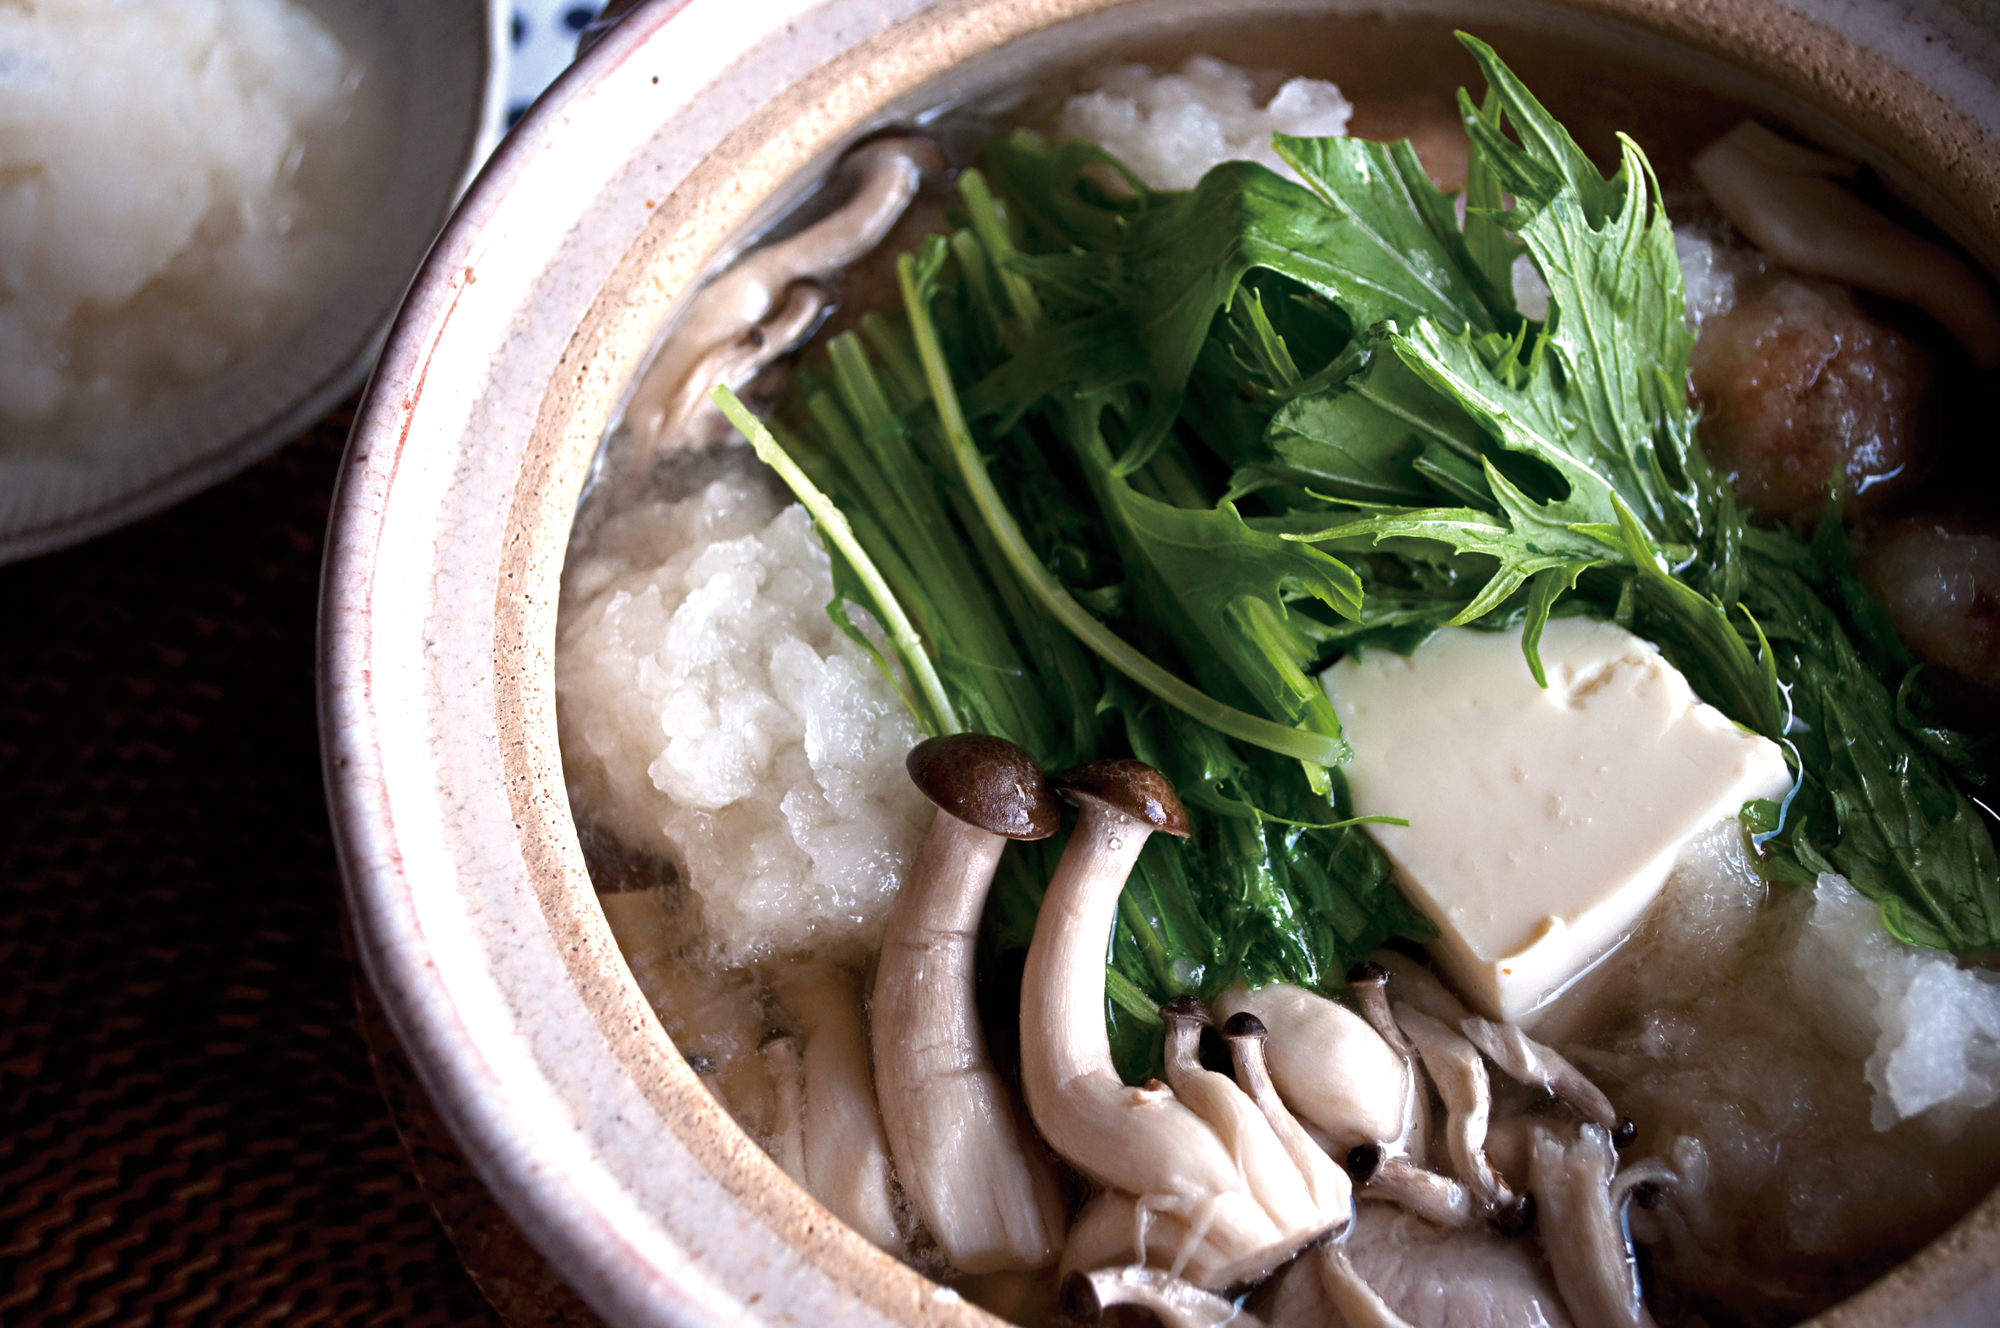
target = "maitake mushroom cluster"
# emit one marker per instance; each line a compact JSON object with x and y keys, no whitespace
{"x":1356,"y":1145}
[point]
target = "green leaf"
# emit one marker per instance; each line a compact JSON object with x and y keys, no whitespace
{"x":1369,"y":437}
{"x":1232,"y":582}
{"x":1521,"y":552}
{"x":1490,"y":248}
{"x":1315,"y":748}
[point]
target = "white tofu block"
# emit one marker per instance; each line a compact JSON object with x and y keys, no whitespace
{"x":1542,"y":822}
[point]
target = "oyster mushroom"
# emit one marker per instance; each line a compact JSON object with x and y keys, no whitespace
{"x":752,"y":314}
{"x":1519,"y":1056}
{"x":1167,"y":1167}
{"x":1527,"y":1061}
{"x":1455,"y":1067}
{"x":682,"y":412}
{"x":1419,"y":988}
{"x":1584,"y":1237}
{"x":987,"y":1191}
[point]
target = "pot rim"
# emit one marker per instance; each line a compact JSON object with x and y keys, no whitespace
{"x":474,"y":916}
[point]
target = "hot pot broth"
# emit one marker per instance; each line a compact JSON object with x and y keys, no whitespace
{"x":1809,"y":1201}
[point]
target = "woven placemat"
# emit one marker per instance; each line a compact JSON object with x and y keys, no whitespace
{"x":190,"y":1126}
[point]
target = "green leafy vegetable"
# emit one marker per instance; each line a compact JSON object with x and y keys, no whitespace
{"x":1138,"y":464}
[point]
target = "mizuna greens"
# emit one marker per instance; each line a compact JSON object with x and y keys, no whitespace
{"x":1134,"y":465}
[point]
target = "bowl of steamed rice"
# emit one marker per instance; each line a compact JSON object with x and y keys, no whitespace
{"x":652,"y":755}
{"x":208,"y":213}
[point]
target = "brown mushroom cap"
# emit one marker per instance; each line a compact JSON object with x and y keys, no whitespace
{"x":987,"y":782}
{"x":1243,"y":1024}
{"x":1186,"y":1006}
{"x":1368,"y":973}
{"x":1127,"y":786}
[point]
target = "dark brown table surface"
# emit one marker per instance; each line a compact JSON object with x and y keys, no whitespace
{"x":190,"y":1127}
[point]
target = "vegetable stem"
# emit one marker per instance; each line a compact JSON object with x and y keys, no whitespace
{"x":1114,"y":650}
{"x":833,"y":523}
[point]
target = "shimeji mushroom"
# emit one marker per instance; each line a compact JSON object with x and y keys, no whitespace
{"x":1294,"y":1177}
{"x":1325,"y":1180}
{"x":988,"y":1194}
{"x":1175,"y":1188}
{"x":753,"y":313}
{"x":1335,"y":1072}
{"x":1370,"y":983}
{"x":1439,"y":1200}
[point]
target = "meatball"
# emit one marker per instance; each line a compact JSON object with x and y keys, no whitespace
{"x":1940,"y":585}
{"x":1797,"y":384}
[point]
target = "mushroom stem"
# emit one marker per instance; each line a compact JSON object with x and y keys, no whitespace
{"x":1439,"y":1200}
{"x":1328,"y":1184}
{"x":1370,"y":982}
{"x":1523,"y":1059}
{"x":844,"y":1156}
{"x":1527,"y":1061}
{"x":1144,"y":1142}
{"x":1261,"y":1154}
{"x":1177,"y":1303}
{"x":1419,"y":988}
{"x":1332,"y":1070}
{"x":891,"y":169}
{"x":1587,"y":1244}
{"x":984,"y":1187}
{"x":1460,"y":1075}
{"x":1082,"y":1108}
{"x":1643,"y":1182}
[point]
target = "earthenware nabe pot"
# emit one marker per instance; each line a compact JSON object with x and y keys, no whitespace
{"x":682,"y":133}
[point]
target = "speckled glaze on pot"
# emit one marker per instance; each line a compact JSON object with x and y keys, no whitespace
{"x":680,"y":134}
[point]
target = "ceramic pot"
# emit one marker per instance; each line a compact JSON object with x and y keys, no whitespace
{"x":689,"y":127}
